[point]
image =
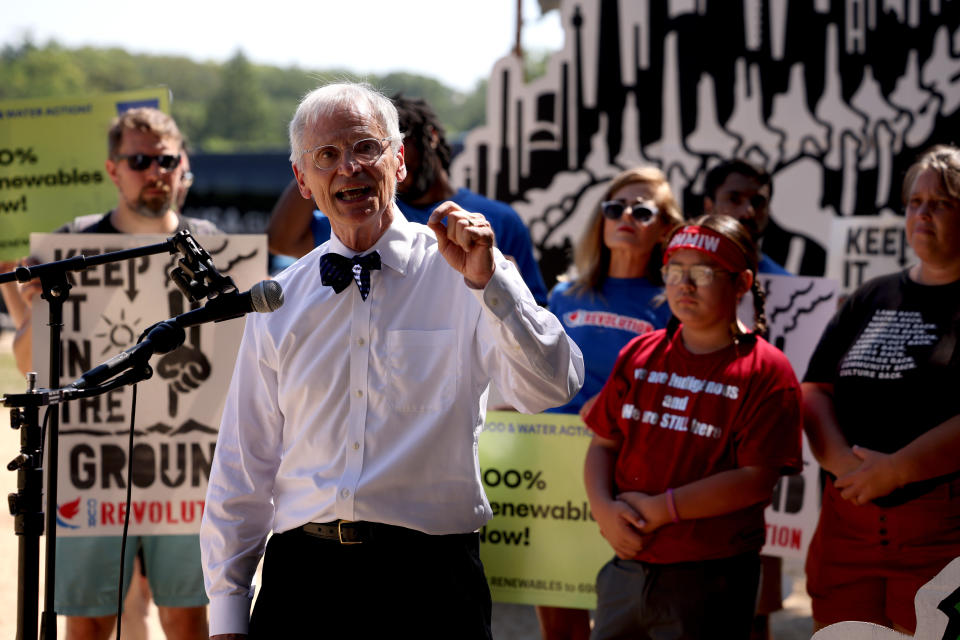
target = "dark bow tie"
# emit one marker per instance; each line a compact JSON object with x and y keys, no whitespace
{"x":337,"y":271}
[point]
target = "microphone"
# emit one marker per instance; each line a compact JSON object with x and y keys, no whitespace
{"x":163,"y":337}
{"x":263,"y":297}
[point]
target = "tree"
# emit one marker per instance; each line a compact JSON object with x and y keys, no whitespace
{"x":32,"y":72}
{"x":219,"y":107}
{"x":236,"y":113}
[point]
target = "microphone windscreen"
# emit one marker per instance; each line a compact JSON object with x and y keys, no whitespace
{"x":266,"y":296}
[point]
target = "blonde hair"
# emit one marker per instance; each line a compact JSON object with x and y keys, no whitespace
{"x":592,"y":256}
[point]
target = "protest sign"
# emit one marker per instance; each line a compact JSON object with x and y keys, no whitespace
{"x":52,"y":153}
{"x":797,"y":310}
{"x":542,"y":546}
{"x":791,"y":518}
{"x":178,"y":409}
{"x":864,"y":247}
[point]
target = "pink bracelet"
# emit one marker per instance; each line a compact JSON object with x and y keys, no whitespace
{"x":672,"y":506}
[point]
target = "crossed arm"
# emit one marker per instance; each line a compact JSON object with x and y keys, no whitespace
{"x":864,"y":474}
{"x":627,"y":520}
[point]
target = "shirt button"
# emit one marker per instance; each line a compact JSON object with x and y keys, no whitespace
{"x":356,"y":445}
{"x":345,"y":493}
{"x":359,"y":393}
{"x":494,"y":301}
{"x":360,"y":341}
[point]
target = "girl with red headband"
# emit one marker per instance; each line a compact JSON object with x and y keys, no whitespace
{"x":691,"y":432}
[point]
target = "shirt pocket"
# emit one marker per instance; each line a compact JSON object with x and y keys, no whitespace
{"x":422,"y":366}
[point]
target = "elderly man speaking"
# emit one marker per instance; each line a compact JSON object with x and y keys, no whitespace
{"x":351,"y":425}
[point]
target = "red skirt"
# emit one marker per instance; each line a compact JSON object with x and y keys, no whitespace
{"x":867,"y":562}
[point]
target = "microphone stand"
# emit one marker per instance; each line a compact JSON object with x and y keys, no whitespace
{"x":26,"y":503}
{"x":196,"y":277}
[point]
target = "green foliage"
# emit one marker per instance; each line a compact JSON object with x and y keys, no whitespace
{"x":237,"y":111}
{"x":234,"y":106}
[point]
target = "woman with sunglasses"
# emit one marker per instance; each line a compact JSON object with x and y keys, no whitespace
{"x":691,"y":432}
{"x":617,"y":266}
{"x":610,"y":302}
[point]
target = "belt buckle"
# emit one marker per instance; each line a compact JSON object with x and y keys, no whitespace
{"x":340,"y":533}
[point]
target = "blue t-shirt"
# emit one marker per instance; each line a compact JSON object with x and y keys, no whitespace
{"x":766,"y":265}
{"x":513,"y":239}
{"x":602,"y":323}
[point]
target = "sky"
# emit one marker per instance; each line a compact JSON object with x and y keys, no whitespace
{"x":455,"y":41}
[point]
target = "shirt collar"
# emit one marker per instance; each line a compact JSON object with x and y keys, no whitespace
{"x":394,"y":245}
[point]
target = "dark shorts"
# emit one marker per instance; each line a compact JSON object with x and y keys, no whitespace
{"x":867,"y":562}
{"x":417,"y":586}
{"x":706,"y":599}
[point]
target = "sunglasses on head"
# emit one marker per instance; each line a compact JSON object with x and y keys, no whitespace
{"x":142,"y":161}
{"x":641,"y":211}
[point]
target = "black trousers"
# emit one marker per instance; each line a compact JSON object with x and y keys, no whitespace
{"x":414,"y":587}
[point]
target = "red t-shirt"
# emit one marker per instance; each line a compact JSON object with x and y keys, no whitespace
{"x":684,"y":416}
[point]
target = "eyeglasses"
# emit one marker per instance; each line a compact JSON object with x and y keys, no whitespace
{"x":366,"y":152}
{"x":700,"y":274}
{"x":641,"y":212}
{"x":142,"y":161}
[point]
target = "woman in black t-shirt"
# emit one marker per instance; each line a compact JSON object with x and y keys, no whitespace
{"x":882,"y":412}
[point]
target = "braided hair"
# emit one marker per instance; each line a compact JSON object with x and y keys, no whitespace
{"x":419,"y":123}
{"x":421,"y":128}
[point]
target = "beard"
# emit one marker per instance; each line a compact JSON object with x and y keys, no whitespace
{"x":153,"y":206}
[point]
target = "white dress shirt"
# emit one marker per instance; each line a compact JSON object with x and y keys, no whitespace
{"x":342,"y":408}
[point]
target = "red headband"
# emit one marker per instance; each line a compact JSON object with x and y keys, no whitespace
{"x":722,"y":249}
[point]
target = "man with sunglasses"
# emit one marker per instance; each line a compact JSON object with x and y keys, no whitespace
{"x":147,"y":164}
{"x":350,"y":428}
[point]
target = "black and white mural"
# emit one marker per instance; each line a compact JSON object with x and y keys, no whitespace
{"x":834,"y":97}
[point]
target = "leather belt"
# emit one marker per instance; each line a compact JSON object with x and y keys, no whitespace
{"x":356,"y":532}
{"x":350,"y":532}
